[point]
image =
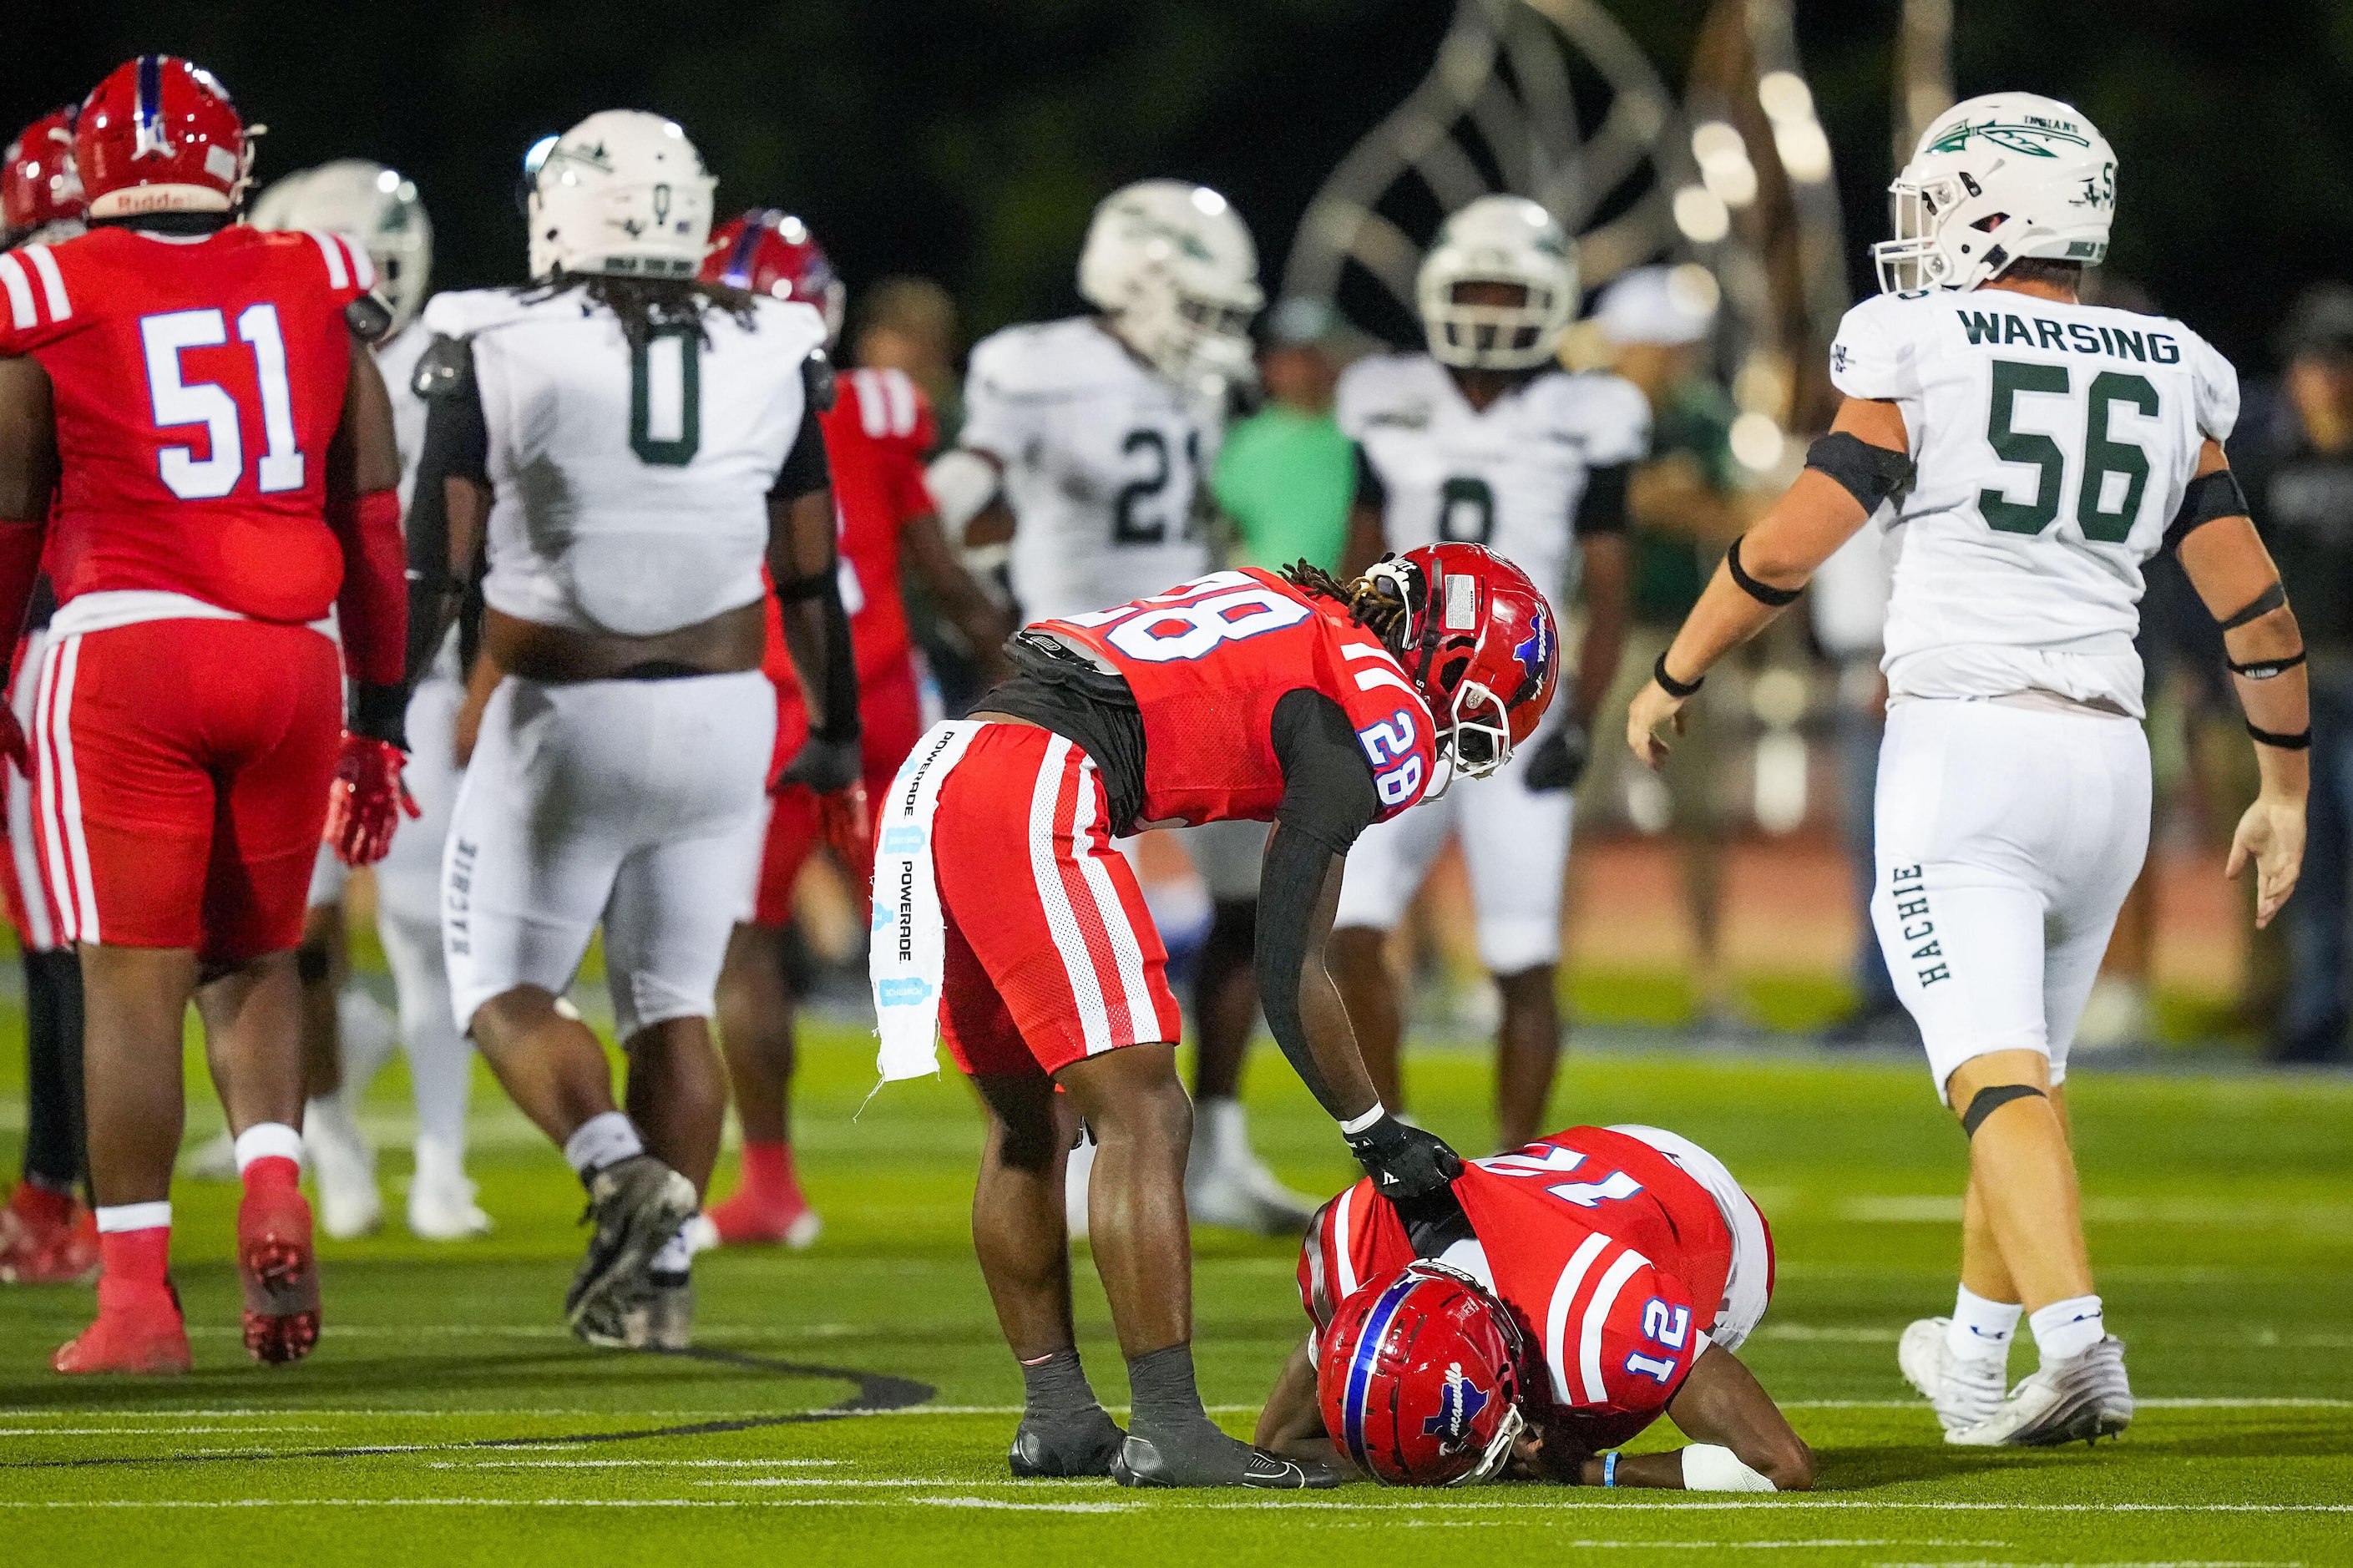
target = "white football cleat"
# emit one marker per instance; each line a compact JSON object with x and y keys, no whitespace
{"x":1963,"y":1392}
{"x":441,"y":1204}
{"x":2083,"y":1398}
{"x":345,"y":1165}
{"x":214,"y":1160}
{"x":1244,"y":1195}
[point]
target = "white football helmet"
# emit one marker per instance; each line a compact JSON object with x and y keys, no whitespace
{"x":1993,"y":179}
{"x":373,"y":204}
{"x":1498,"y":239}
{"x":622,"y":192}
{"x":1175,"y":270}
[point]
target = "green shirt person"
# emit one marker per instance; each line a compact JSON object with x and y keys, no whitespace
{"x":1285,"y":475}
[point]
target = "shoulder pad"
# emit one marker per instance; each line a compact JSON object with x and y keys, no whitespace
{"x":817,"y":379}
{"x":446,"y":369}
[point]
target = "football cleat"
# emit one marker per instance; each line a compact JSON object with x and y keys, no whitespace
{"x":59,"y":1252}
{"x":752,"y":1219}
{"x":663,"y":1318}
{"x":2085,"y":1397}
{"x":1964,"y":1393}
{"x":279,"y":1268}
{"x":636,"y":1206}
{"x":1084,"y":1445}
{"x":344,"y":1166}
{"x":142,"y":1335}
{"x":1210,"y":1458}
{"x":1244,"y":1195}
{"x":441,"y":1205}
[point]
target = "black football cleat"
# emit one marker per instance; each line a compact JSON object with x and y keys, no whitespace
{"x":1084,"y":1445}
{"x":637,"y":1204}
{"x":1210,"y":1458}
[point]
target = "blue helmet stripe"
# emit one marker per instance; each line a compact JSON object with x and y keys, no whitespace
{"x":151,"y":97}
{"x":1360,"y":1367}
{"x":738,"y":271}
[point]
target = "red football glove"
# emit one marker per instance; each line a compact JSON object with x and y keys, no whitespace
{"x":12,"y":742}
{"x":364,"y":803}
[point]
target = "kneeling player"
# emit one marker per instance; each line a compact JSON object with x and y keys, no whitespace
{"x":1534,"y":1315}
{"x":1006,"y":920}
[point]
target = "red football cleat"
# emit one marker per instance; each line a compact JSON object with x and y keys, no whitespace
{"x":753,"y":1218}
{"x":280,"y":1271}
{"x":137,"y":1332}
{"x":62,"y":1254}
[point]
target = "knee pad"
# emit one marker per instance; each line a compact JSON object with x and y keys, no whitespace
{"x":1986,"y":1101}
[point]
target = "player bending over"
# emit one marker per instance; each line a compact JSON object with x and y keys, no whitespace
{"x":1006,"y":922}
{"x":622,"y":448}
{"x":1534,"y":1315}
{"x":224,"y":467}
{"x":1486,"y":439}
{"x":2024,"y":454}
{"x":876,"y":434}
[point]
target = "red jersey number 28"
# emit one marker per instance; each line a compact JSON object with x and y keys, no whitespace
{"x":178,"y":402}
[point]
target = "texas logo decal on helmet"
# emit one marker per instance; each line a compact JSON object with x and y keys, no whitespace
{"x":1479,"y":645}
{"x":1420,"y":1377}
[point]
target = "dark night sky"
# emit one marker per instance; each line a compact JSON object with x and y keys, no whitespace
{"x":968,"y":140}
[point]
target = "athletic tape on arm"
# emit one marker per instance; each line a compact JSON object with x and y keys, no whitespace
{"x":1711,"y":1468}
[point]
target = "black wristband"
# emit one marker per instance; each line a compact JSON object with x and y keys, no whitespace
{"x":381,"y":713}
{"x":2268,"y":669}
{"x":2299,"y":742}
{"x":1763,"y":593}
{"x":809,"y":588}
{"x":1669,"y":685}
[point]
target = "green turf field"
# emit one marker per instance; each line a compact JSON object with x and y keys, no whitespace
{"x":447,"y":1417}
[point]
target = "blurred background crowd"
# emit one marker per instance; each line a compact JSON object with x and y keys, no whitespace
{"x":1725,"y":164}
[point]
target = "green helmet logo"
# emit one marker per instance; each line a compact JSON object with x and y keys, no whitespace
{"x":2032,"y":139}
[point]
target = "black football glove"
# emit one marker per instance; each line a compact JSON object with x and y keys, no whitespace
{"x":1404,"y":1161}
{"x":1557,"y":763}
{"x":823,"y":765}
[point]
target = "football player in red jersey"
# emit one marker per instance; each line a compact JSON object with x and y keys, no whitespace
{"x":876,"y":436}
{"x":1004,"y":920}
{"x":46,"y":1234}
{"x":1536,"y":1314}
{"x":220,"y":453}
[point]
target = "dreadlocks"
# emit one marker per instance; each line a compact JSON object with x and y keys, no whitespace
{"x":1377,"y":610}
{"x":645,"y":306}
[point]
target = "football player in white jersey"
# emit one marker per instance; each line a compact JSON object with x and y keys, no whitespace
{"x":1484,"y":439}
{"x":623,"y":449}
{"x":347,"y":1034}
{"x":1087,"y":443}
{"x":2025,"y":454}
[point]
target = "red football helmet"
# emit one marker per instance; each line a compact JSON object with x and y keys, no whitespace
{"x":1420,"y":1379}
{"x":159,"y":135}
{"x":1480,"y":643}
{"x":771,"y":252}
{"x":39,"y":188}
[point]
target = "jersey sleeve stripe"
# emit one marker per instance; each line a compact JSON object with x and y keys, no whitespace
{"x":363,"y":265}
{"x":1342,"y":1212}
{"x":1372,"y":679}
{"x":1596,"y":1316}
{"x":898,"y":396}
{"x":338,"y":274}
{"x":870,"y":404}
{"x":53,"y":282}
{"x":20,"y":294}
{"x":1580,"y":1262}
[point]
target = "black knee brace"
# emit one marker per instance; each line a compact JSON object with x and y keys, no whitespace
{"x":1986,"y":1101}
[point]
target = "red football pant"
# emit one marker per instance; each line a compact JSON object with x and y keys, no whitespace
{"x":1051,"y":955}
{"x":890,"y":719}
{"x":180,"y":781}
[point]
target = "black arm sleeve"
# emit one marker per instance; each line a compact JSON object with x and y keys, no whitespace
{"x":806,"y":467}
{"x":456,"y":446}
{"x":2203,"y":501}
{"x":1328,"y":799}
{"x":1370,"y":491}
{"x":1602,"y":508}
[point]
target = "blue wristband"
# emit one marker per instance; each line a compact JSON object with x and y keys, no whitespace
{"x":1609,"y":1469}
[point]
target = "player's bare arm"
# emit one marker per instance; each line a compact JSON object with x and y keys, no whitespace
{"x":28,"y":477}
{"x":817,"y":629}
{"x":960,"y":597}
{"x":1292,"y":1425}
{"x":1740,"y":1441}
{"x":1609,"y":587}
{"x":2227,"y":564}
{"x":1864,"y":456}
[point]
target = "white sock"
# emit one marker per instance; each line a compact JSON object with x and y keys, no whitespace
{"x":2066,"y":1330}
{"x":438,"y":1161}
{"x":601,"y":1141}
{"x":268,"y":1140}
{"x":118,"y":1218}
{"x":1221,"y":1130}
{"x":675,"y":1257}
{"x":1981,"y":1330}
